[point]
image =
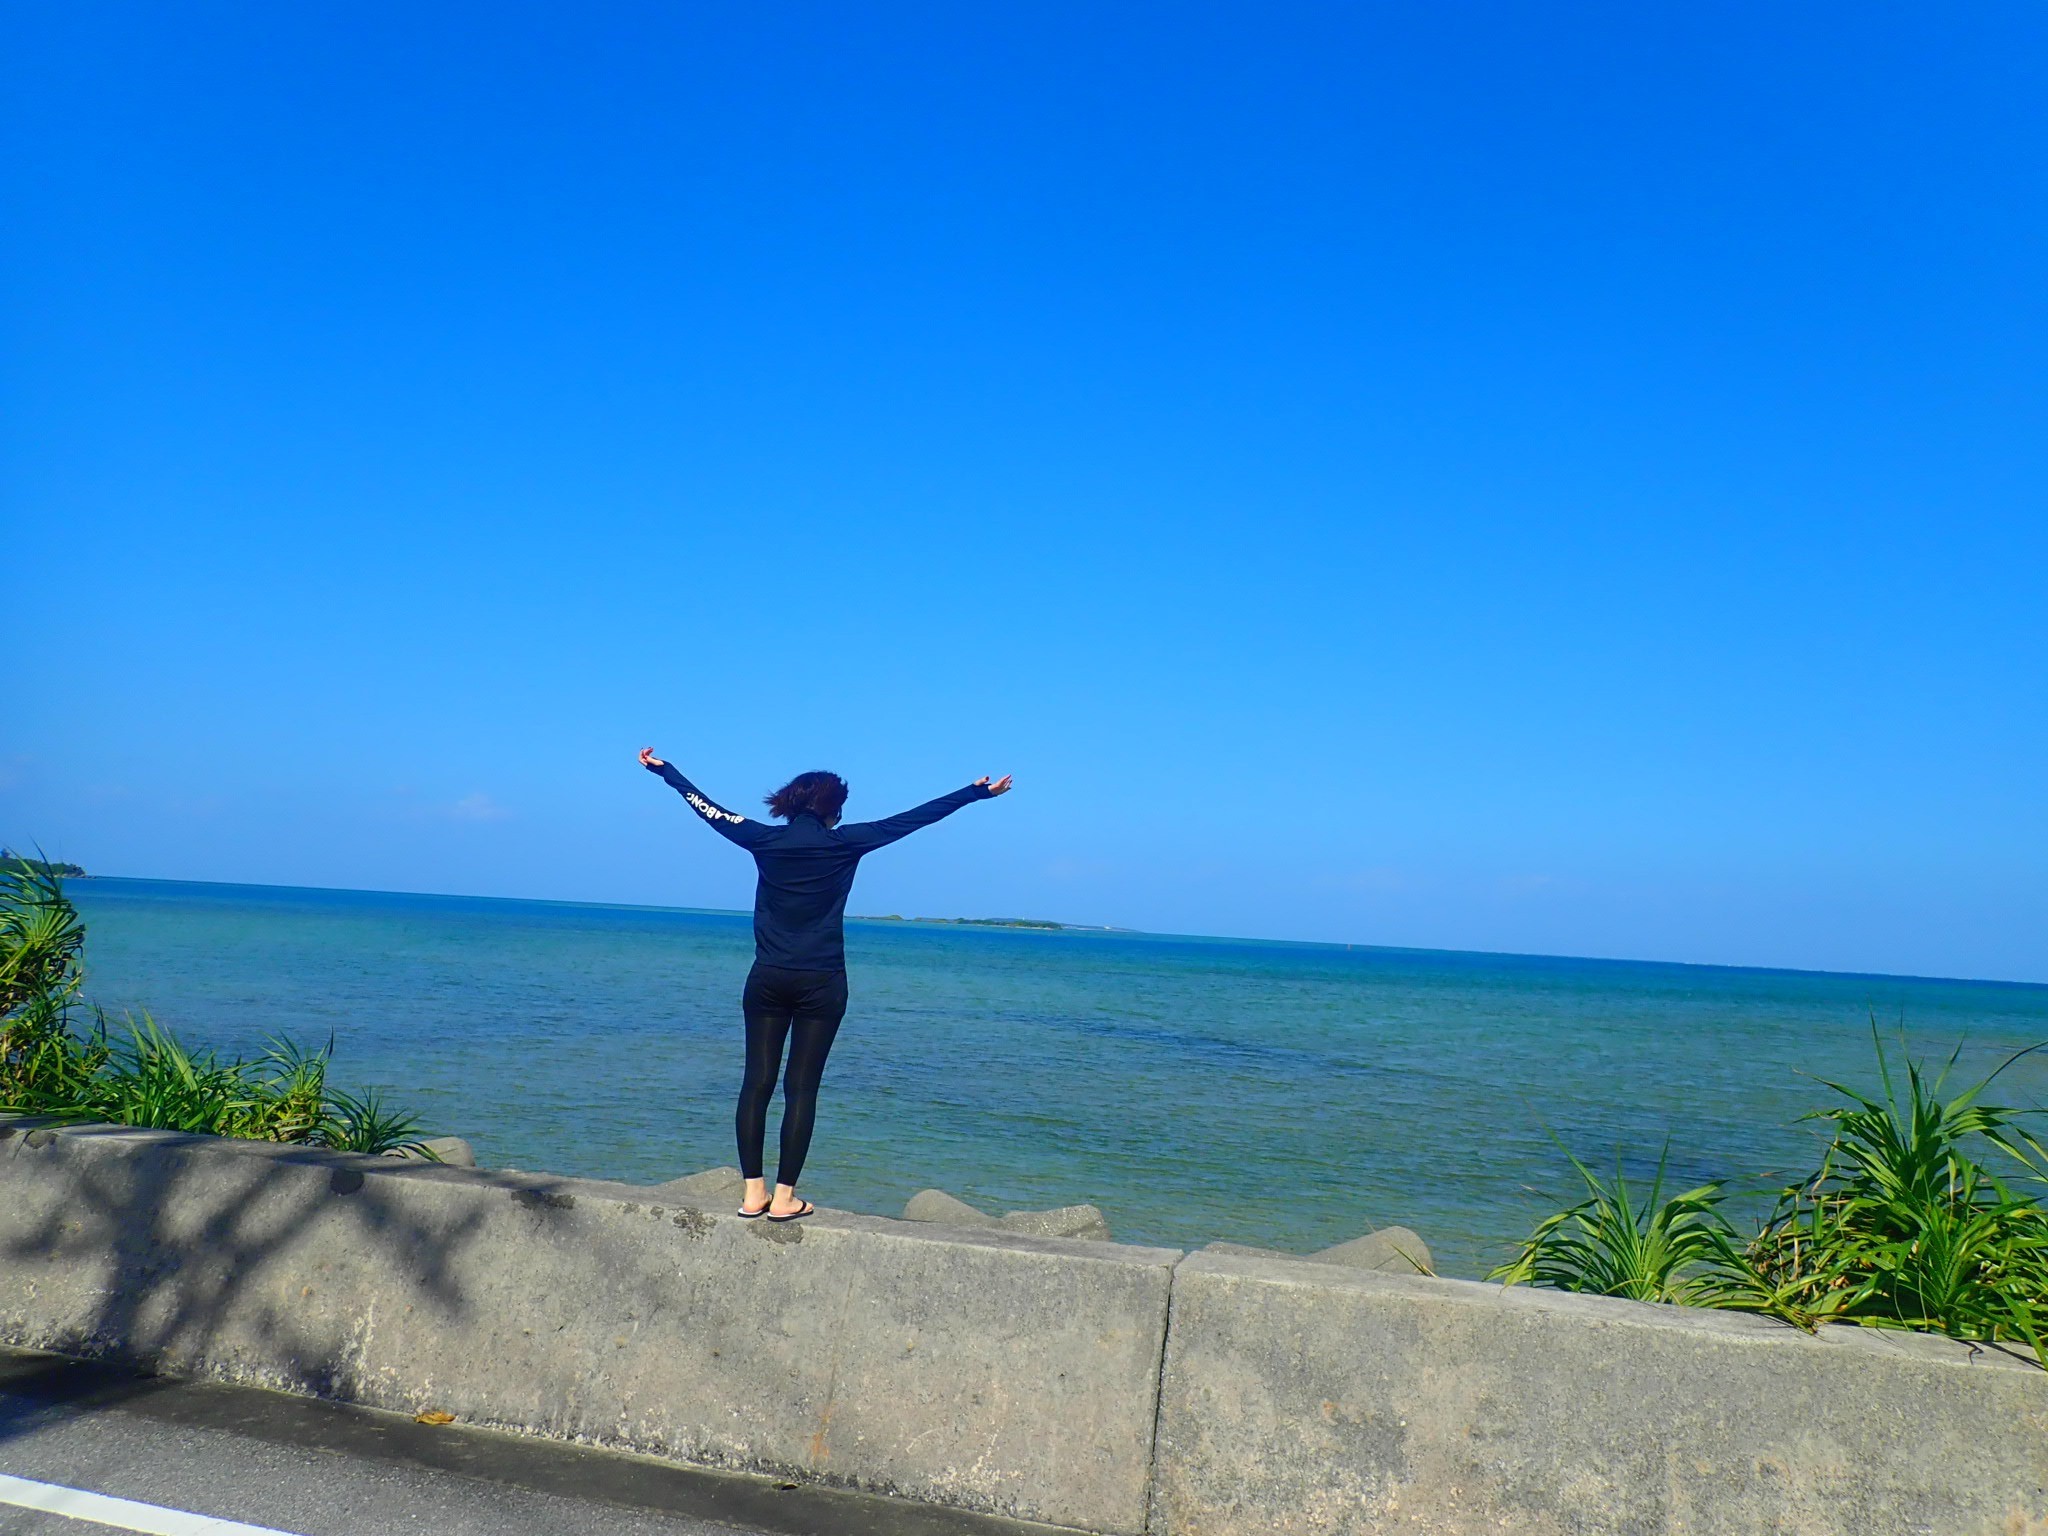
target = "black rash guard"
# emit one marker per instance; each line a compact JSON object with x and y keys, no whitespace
{"x":807,"y":870}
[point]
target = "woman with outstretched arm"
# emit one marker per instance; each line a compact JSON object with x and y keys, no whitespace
{"x":796,"y":992}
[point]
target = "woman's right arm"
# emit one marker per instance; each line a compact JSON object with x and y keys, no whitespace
{"x":730,"y":825}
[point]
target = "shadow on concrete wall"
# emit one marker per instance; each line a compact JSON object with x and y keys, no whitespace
{"x":145,"y":1252}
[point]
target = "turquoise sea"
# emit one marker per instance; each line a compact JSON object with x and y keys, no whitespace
{"x":1289,"y":1095}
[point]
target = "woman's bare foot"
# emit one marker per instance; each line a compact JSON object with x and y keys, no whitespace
{"x":755,"y":1200}
{"x":786,"y":1202}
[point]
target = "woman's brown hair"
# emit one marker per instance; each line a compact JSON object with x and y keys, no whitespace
{"x":822,"y":794}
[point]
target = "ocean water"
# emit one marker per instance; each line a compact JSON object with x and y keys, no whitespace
{"x":1288,"y":1095}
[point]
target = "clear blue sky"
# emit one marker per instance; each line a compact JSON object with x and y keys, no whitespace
{"x":1565,"y":479}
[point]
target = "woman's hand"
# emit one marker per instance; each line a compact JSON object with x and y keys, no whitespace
{"x":1000,"y":787}
{"x":649,"y":760}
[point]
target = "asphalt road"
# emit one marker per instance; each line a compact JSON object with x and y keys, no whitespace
{"x":187,"y":1456}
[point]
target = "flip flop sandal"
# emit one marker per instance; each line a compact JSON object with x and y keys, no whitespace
{"x":750,"y":1215}
{"x":808,"y":1210}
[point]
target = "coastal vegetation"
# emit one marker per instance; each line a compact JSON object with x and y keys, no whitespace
{"x":141,"y":1074}
{"x":1924,"y":1211}
{"x":48,"y":866}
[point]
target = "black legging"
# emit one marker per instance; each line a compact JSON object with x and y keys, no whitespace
{"x":777,"y":1005}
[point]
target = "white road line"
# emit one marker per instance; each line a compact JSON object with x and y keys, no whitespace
{"x":122,"y":1514}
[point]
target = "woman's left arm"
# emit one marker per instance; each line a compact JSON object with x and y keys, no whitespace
{"x":870,"y":835}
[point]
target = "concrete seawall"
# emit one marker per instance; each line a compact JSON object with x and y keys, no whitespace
{"x":1016,"y":1375}
{"x":1300,"y":1398}
{"x":999,"y":1372}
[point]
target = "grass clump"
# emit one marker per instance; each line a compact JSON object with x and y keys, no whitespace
{"x":142,"y":1074}
{"x":1618,"y":1243}
{"x":1902,"y":1224}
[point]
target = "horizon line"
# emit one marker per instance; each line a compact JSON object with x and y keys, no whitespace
{"x":1103,"y":931}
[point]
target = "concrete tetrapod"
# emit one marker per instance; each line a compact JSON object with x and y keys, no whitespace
{"x":983,"y":1369}
{"x":1391,"y":1250}
{"x":935,"y":1205}
{"x":1083,"y":1221}
{"x":452,"y":1150}
{"x":1063,"y":1221}
{"x":718,"y":1187}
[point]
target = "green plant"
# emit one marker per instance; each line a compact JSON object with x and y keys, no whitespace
{"x":41,"y":939}
{"x":44,"y":1066}
{"x":42,"y":946}
{"x":364,"y":1123}
{"x":295,"y":1096}
{"x":1903,"y":1226}
{"x":1615,"y":1243}
{"x":152,"y":1079}
{"x":1900,"y":1226}
{"x":143,"y":1075}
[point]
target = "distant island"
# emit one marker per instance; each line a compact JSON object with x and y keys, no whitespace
{"x":55,"y":867}
{"x":1045,"y":925}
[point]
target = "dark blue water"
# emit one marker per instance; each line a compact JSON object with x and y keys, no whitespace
{"x":1289,"y":1095}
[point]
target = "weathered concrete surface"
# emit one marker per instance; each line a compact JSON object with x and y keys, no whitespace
{"x":1084,"y":1221}
{"x":937,"y":1206}
{"x":1297,"y":1399}
{"x":983,"y":1369}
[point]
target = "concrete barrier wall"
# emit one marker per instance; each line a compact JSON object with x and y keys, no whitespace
{"x":1013,"y":1375}
{"x":1300,"y":1398}
{"x":999,"y":1372}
